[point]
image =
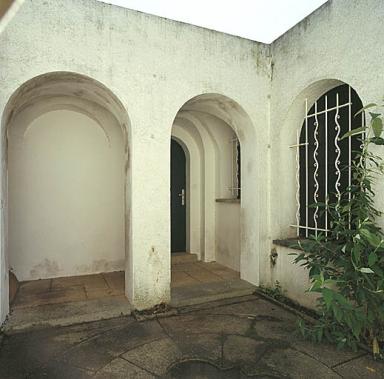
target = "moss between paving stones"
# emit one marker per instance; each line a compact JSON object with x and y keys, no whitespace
{"x":160,"y":310}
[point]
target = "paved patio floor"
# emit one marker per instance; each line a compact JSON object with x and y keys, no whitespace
{"x":232,"y":338}
{"x":70,"y":300}
{"x":69,"y":289}
{"x":195,"y":282}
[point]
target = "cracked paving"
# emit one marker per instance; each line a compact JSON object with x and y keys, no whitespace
{"x":234,"y":338}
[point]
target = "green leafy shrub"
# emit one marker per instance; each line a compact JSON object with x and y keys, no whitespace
{"x":346,"y":267}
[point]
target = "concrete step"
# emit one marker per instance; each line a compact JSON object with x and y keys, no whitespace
{"x":208,"y":292}
{"x":77,"y":312}
{"x":180,"y":258}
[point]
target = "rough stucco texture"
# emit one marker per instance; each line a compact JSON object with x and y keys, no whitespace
{"x":154,"y":66}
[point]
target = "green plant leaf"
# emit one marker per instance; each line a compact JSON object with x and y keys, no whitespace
{"x":356,"y":252}
{"x":354,"y":132}
{"x":338,"y":313}
{"x":327,"y":296}
{"x":377,"y":140}
{"x":370,"y":105}
{"x":377,"y":126}
{"x":374,"y":115}
{"x":372,"y":259}
{"x":346,"y":267}
{"x":372,"y":238}
{"x":366,"y":270}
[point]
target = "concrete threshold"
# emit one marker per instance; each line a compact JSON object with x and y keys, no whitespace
{"x":67,"y":313}
{"x":209,"y":292}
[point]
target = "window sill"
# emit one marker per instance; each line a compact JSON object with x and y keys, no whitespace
{"x":228,"y":201}
{"x":287,"y":242}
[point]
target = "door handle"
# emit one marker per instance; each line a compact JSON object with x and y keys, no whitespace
{"x":182,"y":195}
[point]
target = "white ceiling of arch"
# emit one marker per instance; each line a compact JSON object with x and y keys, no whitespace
{"x":258,"y":20}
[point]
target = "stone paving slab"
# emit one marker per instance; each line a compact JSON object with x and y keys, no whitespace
{"x":207,"y":292}
{"x":181,"y":279}
{"x":121,"y":369}
{"x":195,"y":346}
{"x":177,"y":258}
{"x":76,"y":299}
{"x":155,"y":357}
{"x":363,"y":367}
{"x":68,"y":313}
{"x":57,"y":296}
{"x":35,"y":286}
{"x":237,"y":338}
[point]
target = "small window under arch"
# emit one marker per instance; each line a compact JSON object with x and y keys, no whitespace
{"x":236,"y":169}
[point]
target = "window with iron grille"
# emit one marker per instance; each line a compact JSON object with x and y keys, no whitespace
{"x":323,"y":160}
{"x":236,"y":169}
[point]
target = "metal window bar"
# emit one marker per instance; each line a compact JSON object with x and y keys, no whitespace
{"x":231,"y":188}
{"x":298,"y":145}
{"x":349,"y":149}
{"x":337,"y":107}
{"x":238,"y":169}
{"x":337,"y":150}
{"x":326,"y":166}
{"x":306,"y":166}
{"x":316,"y":172}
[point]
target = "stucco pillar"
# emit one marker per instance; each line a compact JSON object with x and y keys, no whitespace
{"x":148,"y":273}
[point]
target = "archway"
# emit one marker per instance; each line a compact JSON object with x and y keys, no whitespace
{"x":67,"y":192}
{"x":285,"y":159}
{"x":213,"y":129}
{"x":307,"y":156}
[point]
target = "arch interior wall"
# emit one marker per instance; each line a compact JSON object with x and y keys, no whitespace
{"x":67,"y":183}
{"x":206,"y":131}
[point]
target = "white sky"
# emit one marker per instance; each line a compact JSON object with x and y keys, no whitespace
{"x":259,"y":20}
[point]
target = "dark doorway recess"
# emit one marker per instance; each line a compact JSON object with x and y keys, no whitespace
{"x":178,"y":198}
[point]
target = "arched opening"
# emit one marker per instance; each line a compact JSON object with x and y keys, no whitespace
{"x":289,"y":179}
{"x":325,"y":159}
{"x":287,"y":156}
{"x":66,"y":205}
{"x":213,"y":130}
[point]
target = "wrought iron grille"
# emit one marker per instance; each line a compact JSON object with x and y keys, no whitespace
{"x":323,"y":161}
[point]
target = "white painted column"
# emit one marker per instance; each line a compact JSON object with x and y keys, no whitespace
{"x":148,"y":268}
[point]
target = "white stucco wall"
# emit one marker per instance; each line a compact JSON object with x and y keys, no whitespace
{"x":66,"y":195}
{"x":153,"y":66}
{"x":228,"y":234}
{"x":338,"y":43}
